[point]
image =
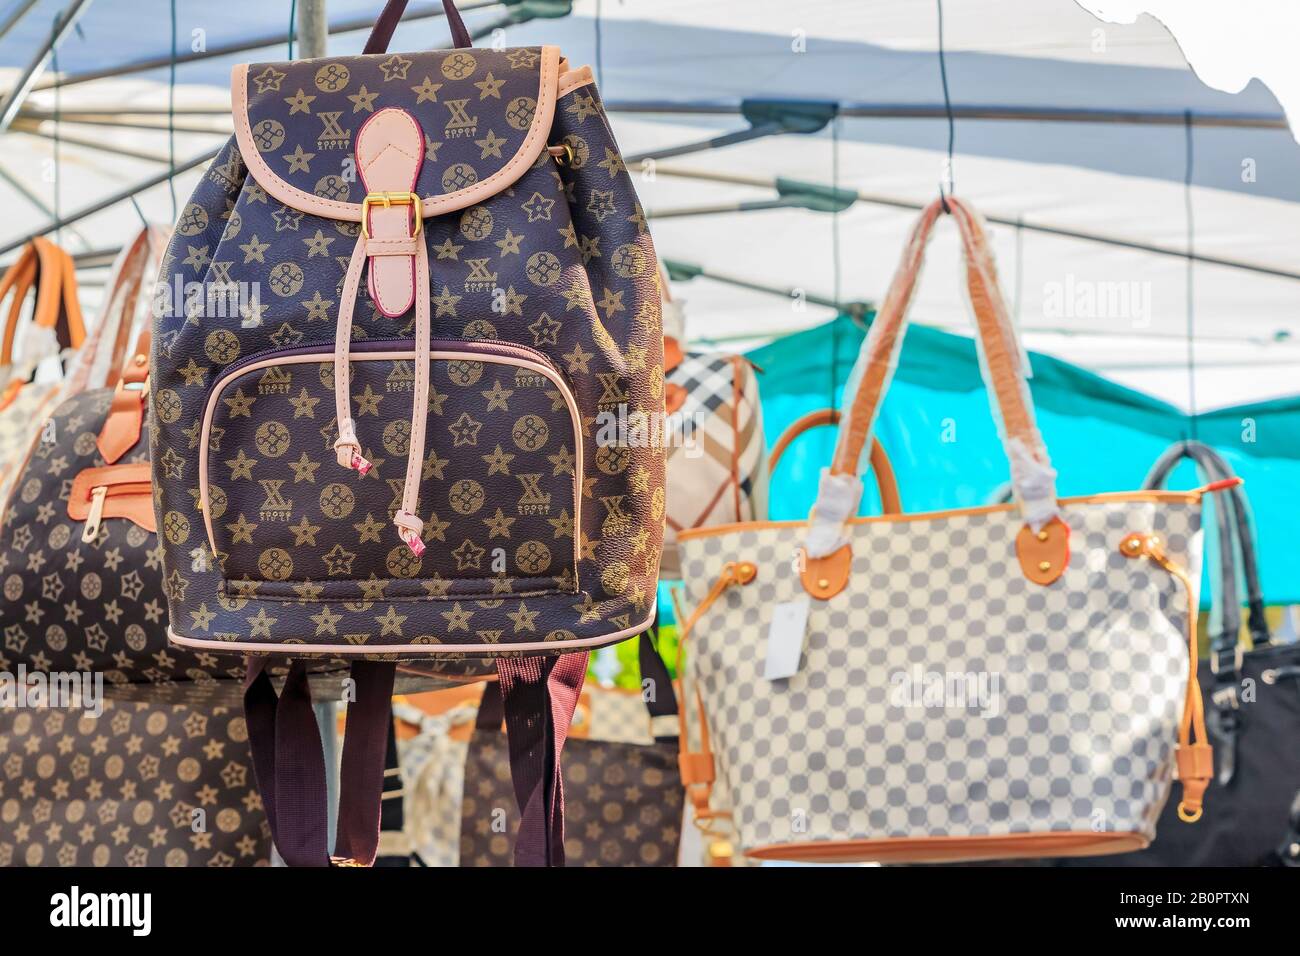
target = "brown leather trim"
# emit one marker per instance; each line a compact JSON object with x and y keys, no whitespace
{"x":125,"y":420}
{"x":1154,"y":497}
{"x":941,"y":849}
{"x":1045,"y":554}
{"x":570,"y":80}
{"x":130,"y":493}
{"x":826,"y":577}
{"x":881,"y":467}
{"x":533,"y":144}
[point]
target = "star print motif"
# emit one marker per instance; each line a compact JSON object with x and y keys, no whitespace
{"x":489,"y":86}
{"x":562,"y":462}
{"x":464,"y":430}
{"x":241,"y":530}
{"x":512,"y":303}
{"x":369,"y":529}
{"x":300,"y":102}
{"x":426,"y":92}
{"x":601,"y":204}
{"x":490,"y":145}
{"x":523,"y":618}
{"x":638,"y":217}
{"x":448,"y":250}
{"x":435,"y":530}
{"x":261,"y":623}
{"x":589,"y":248}
{"x":368,"y":401}
{"x":286,"y":218}
{"x":304,"y":406}
{"x":499,"y":461}
{"x":468,"y":555}
{"x":563,"y":525}
{"x":338,"y":560}
{"x":583,"y":105}
{"x":241,"y":405}
{"x":457,"y":618}
{"x":241,"y":466}
{"x":612,"y":163}
{"x":318,"y":245}
{"x":575,"y":297}
{"x":269,"y":80}
{"x":304,"y":532}
{"x":431,"y":150}
{"x":395,"y":67}
{"x":391,"y":622}
{"x":304,"y":469}
{"x":522,"y":59}
{"x":545,"y":330}
{"x":363,"y":99}
{"x":445,"y":303}
{"x":254,"y":251}
{"x":498,"y":525}
{"x":326,"y":621}
{"x":509,"y":245}
{"x":498,"y":397}
{"x":317,"y":308}
{"x":612,"y":303}
{"x":577,"y":359}
{"x":194,"y":373}
{"x":538,"y":208}
{"x":198,"y":257}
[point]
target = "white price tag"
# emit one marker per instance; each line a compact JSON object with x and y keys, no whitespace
{"x":785,"y":637}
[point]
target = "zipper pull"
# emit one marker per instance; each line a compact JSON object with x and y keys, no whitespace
{"x":97,"y":495}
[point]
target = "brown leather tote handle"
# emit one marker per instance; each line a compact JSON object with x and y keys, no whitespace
{"x":886,"y":483}
{"x":382,"y":34}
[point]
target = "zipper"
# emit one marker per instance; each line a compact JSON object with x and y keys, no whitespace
{"x":466,"y":349}
{"x":99,"y":494}
{"x":494,"y":346}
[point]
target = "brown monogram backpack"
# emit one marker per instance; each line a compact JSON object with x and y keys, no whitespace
{"x":407,"y":371}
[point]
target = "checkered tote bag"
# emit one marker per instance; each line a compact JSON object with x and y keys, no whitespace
{"x":1011,"y":680}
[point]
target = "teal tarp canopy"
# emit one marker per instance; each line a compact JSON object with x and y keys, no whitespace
{"x":940,"y":434}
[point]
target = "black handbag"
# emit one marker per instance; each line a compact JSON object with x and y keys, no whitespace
{"x":1252,"y":708}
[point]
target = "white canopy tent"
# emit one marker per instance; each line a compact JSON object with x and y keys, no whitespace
{"x":1065,"y":126}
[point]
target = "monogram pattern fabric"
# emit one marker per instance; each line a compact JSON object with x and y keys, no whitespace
{"x":1079,"y":736}
{"x":537,"y":531}
{"x":140,"y":785}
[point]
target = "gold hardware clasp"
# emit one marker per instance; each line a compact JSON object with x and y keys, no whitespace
{"x":388,"y":200}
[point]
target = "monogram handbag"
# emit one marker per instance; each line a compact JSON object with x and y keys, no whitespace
{"x":1252,"y":703}
{"x":717,"y":473}
{"x":1002,"y":681}
{"x":413,"y":467}
{"x":140,"y":784}
{"x":45,"y":271}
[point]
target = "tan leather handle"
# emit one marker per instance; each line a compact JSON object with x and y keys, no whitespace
{"x":881,"y":467}
{"x":996,"y":336}
{"x":57,"y":306}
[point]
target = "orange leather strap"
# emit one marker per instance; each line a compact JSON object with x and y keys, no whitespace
{"x":881,"y":468}
{"x":125,"y":418}
{"x":126,"y":490}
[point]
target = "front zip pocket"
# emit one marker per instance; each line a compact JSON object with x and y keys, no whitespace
{"x":112,"y":491}
{"x":498,"y":493}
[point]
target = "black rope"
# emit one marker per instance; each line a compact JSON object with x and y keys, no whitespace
{"x":171,"y":117}
{"x":947,"y":106}
{"x":835,"y":259}
{"x":58,"y":107}
{"x":600,"y":53}
{"x":1191,"y":264}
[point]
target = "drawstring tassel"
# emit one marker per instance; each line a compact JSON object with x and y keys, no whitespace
{"x":348,"y":449}
{"x":411,"y":529}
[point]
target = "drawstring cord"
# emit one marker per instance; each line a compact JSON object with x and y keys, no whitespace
{"x":346,"y":447}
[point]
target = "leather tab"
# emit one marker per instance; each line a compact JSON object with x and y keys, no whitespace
{"x":1044,"y":554}
{"x":390,"y":151}
{"x":826,"y":577}
{"x":695,"y":768}
{"x":130,"y":494}
{"x":125,"y":421}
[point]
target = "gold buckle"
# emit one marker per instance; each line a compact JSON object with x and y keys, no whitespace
{"x":388,"y":200}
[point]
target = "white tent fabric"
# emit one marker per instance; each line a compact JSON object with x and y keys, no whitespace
{"x":676,"y":71}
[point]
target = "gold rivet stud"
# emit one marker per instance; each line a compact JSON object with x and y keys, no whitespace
{"x":141,"y":359}
{"x":1044,"y":565}
{"x":1042,"y":535}
{"x":823,"y":583}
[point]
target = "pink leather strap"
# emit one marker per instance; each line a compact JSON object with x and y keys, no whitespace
{"x":390,"y":151}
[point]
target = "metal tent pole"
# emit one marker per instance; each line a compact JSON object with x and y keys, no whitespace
{"x":33,"y":70}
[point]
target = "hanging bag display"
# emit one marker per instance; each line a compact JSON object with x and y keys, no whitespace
{"x":980,"y":683}
{"x":717,"y":456}
{"x":55,"y":330}
{"x":1252,"y":701}
{"x":391,"y":451}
